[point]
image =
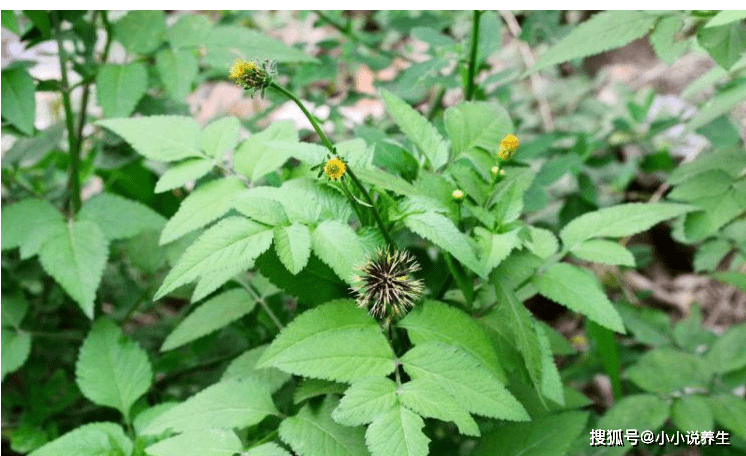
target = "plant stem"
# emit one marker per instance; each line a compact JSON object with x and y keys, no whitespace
{"x":72,"y":139}
{"x":311,"y":118}
{"x":247,"y":286}
{"x":369,"y":200}
{"x":473,"y":55}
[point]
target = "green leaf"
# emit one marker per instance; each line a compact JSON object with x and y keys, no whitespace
{"x":111,"y":369}
{"x":495,"y":247}
{"x":728,"y":160}
{"x":224,"y":44}
{"x":203,"y":442}
{"x":16,"y":346}
{"x":664,"y":38}
{"x":220,"y":137}
{"x":459,"y":373}
{"x":580,"y":291}
{"x":14,"y":308}
{"x":162,"y":138}
{"x":435,"y":321}
{"x":365,"y":400}
{"x":119,"y":217}
{"x":18,"y":102}
{"x":76,"y":259}
{"x":293,"y":246}
{"x":711,"y":182}
{"x":551,"y":383}
{"x":639,"y":411}
{"x":666,"y":370}
{"x":189,"y":31}
{"x":337,"y":245}
{"x":727,"y":353}
{"x":715,"y":212}
{"x":267,"y":449}
{"x":234,"y":403}
{"x":262,"y":205}
{"x":224,"y":250}
{"x":710,"y":254}
{"x":9,"y":21}
{"x":546,"y":436}
{"x":312,"y":432}
{"x":606,"y":252}
{"x":441,"y":231}
{"x":427,"y":398}
{"x":206,"y":204}
{"x":720,"y":104}
{"x":183,"y":172}
{"x":254,"y":159}
{"x":543,"y":242}
{"x":245,"y":366}
{"x":145,"y":417}
{"x":733,"y":278}
{"x":94,"y":439}
{"x":397,"y":432}
{"x":314,"y":387}
{"x":691,"y":412}
{"x":120,"y":87}
{"x":418,"y":129}
{"x":617,"y":221}
{"x":215,"y":313}
{"x":726,"y":17}
{"x":141,"y":31}
{"x":177,"y":70}
{"x":604,"y":31}
{"x":477,"y":124}
{"x":336,"y":341}
{"x":21,"y":218}
{"x":386,"y":181}
{"x":724,"y":43}
{"x":730,"y":412}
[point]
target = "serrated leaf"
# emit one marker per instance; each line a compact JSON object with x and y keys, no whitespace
{"x":730,"y":412}
{"x":234,"y":403}
{"x":664,"y":39}
{"x":245,"y":366}
{"x":435,"y":321}
{"x":617,"y":221}
{"x":261,"y":204}
{"x":495,"y":247}
{"x":604,"y":31}
{"x":579,"y":291}
{"x":418,"y":129}
{"x":206,"y":204}
{"x":141,"y":31}
{"x":145,"y":417}
{"x":365,"y":400}
{"x":477,"y":124}
{"x":336,"y":341}
{"x":314,"y":387}
{"x":162,"y":138}
{"x":18,"y":102}
{"x":76,"y":259}
{"x":16,"y":346}
{"x":94,"y":439}
{"x":720,"y":104}
{"x":212,"y":315}
{"x":224,"y":250}
{"x":203,"y":442}
{"x":728,"y":160}
{"x":724,"y":43}
{"x":551,"y":435}
{"x":111,"y":369}
{"x":190,"y":30}
{"x":397,"y":432}
{"x":459,"y":373}
{"x":603,"y":251}
{"x":177,"y":70}
{"x":441,"y":231}
{"x":427,"y":398}
{"x":307,"y":202}
{"x":119,"y":217}
{"x":691,"y":412}
{"x":181,"y":173}
{"x":543,"y":242}
{"x":639,"y":411}
{"x":220,"y":136}
{"x":313,"y":433}
{"x":254,"y":158}
{"x":551,"y":383}
{"x":337,"y":245}
{"x":712,"y":182}
{"x":224,"y":44}
{"x":386,"y":181}
{"x":727,"y":353}
{"x":120,"y":87}
{"x":293,"y":246}
{"x":268,"y":449}
{"x":20,"y":219}
{"x":665,"y":370}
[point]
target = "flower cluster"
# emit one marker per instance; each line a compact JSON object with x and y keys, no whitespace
{"x":508,"y":146}
{"x":250,"y":75}
{"x":386,"y":287}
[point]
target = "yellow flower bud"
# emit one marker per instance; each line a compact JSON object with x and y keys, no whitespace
{"x":458,"y":195}
{"x":508,"y":146}
{"x":250,"y":75}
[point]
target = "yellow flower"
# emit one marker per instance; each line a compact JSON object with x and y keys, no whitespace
{"x":508,"y":145}
{"x":335,"y":168}
{"x":250,"y":75}
{"x":458,"y":195}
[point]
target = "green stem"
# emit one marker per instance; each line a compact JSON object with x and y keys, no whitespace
{"x":369,"y":200}
{"x":473,"y":55}
{"x":354,"y":203}
{"x":311,"y":118}
{"x":247,"y":286}
{"x":72,"y":139}
{"x":437,"y":102}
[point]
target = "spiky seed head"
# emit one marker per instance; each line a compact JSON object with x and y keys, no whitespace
{"x":508,"y":146}
{"x":250,"y":75}
{"x":385,"y":284}
{"x":335,"y":168}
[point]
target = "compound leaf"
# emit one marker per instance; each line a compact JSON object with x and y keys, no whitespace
{"x":94,"y":439}
{"x":397,"y":432}
{"x":365,"y":400}
{"x":119,"y":217}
